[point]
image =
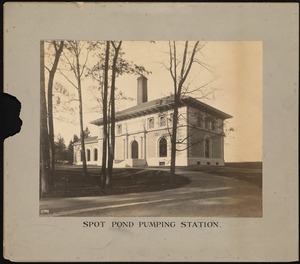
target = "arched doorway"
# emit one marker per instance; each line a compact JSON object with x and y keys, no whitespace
{"x":134,"y":150}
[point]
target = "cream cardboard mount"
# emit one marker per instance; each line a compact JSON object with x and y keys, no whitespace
{"x":271,"y":237}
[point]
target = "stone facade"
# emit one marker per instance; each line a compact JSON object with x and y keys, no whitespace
{"x":143,"y":134}
{"x":206,"y":138}
{"x":92,"y":149}
{"x":138,"y":142}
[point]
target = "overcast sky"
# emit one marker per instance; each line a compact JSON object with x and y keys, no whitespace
{"x":235,"y":76}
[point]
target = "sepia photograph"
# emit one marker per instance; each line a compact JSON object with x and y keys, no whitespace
{"x":151,"y":128}
{"x":152,"y":132}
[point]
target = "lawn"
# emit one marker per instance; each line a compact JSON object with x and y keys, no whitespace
{"x":69,"y":182}
{"x":245,"y":171}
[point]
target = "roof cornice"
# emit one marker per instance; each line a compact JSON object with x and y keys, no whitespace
{"x":160,"y":105}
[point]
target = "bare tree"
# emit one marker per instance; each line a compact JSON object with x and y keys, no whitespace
{"x":113,"y":112}
{"x":76,"y":59}
{"x":179,"y":69}
{"x":105,"y":132}
{"x":180,"y":65}
{"x":44,"y":137}
{"x":58,"y":48}
{"x":109,"y":66}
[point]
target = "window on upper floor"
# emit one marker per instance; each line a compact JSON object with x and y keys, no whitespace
{"x":119,"y":129}
{"x":199,"y":121}
{"x":207,"y":123}
{"x":213,"y":125}
{"x":221,"y":126}
{"x":162,"y":121}
{"x":151,"y":122}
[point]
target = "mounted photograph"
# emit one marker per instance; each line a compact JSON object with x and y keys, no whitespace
{"x":151,"y":128}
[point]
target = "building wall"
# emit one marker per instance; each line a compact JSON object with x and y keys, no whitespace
{"x":138,"y":129}
{"x":91,"y":146}
{"x":192,"y":149}
{"x":199,"y":134}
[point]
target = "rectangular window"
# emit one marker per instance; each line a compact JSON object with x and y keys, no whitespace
{"x":199,"y":121}
{"x":162,"y":163}
{"x":119,"y":129}
{"x":213,"y":125}
{"x":151,"y":122}
{"x":207,"y":123}
{"x":162,"y":121}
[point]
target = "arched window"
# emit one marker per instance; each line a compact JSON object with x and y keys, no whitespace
{"x":119,"y":129}
{"x":134,"y":150}
{"x":151,"y":122}
{"x":163,"y":147}
{"x":88,"y":152}
{"x":162,"y":121}
{"x":207,"y":147}
{"x":95,"y":154}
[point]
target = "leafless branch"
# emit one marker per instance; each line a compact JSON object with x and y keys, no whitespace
{"x":190,"y":63}
{"x":67,"y":79}
{"x":47,"y":68}
{"x":184,"y":59}
{"x":171,"y":62}
{"x":199,"y":88}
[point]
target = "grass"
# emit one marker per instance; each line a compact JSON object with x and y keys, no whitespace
{"x":245,"y":171}
{"x":69,"y":182}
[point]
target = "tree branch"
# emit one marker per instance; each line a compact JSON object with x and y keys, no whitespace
{"x":190,"y":63}
{"x":171,"y":63}
{"x":184,"y":59}
{"x":67,"y":79}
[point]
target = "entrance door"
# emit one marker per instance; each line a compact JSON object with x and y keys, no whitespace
{"x":134,"y":150}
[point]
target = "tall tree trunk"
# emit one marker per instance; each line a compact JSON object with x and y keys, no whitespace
{"x":44,"y":138}
{"x":174,"y":138}
{"x":105,"y":138}
{"x":85,"y":172}
{"x":186,"y":65}
{"x":50,"y":104}
{"x":112,"y":116}
{"x":50,"y":121}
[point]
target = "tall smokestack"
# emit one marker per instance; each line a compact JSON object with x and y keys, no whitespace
{"x":142,"y":93}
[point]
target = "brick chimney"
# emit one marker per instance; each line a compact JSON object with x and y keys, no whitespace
{"x":142,"y":93}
